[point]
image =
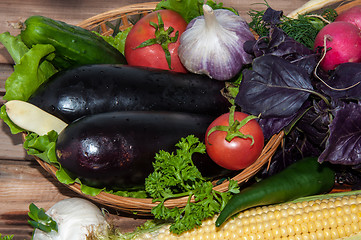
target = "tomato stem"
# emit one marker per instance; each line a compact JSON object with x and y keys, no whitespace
{"x":234,"y":127}
{"x":162,"y":37}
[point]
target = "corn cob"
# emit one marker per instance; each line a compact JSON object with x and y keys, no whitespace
{"x":330,"y":216}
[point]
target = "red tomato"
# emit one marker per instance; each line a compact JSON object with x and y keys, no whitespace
{"x":154,"y":55}
{"x":238,"y":153}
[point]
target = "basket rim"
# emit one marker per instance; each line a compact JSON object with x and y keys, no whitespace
{"x":115,"y":13}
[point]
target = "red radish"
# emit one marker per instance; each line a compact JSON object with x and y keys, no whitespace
{"x":344,"y":41}
{"x":351,"y":15}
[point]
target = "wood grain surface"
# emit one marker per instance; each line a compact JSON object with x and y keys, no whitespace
{"x":22,"y":180}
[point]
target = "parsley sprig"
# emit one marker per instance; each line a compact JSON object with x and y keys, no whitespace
{"x":174,"y":176}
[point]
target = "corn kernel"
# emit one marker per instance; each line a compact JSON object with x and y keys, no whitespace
{"x":268,"y":234}
{"x":276,"y":232}
{"x":274,"y":224}
{"x":298,"y":219}
{"x":303,"y":228}
{"x":283,"y":231}
{"x":283,"y":221}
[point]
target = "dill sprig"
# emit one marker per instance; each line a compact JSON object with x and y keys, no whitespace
{"x":257,"y":24}
{"x":303,"y":29}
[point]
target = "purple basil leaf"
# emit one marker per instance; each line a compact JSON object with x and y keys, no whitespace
{"x":280,"y":44}
{"x":349,"y":176}
{"x":344,"y":76}
{"x":283,"y":45}
{"x":315,"y":123}
{"x":271,"y":126}
{"x":295,"y":146}
{"x":344,"y":143}
{"x":307,"y":62}
{"x":272,"y":16}
{"x":274,"y":88}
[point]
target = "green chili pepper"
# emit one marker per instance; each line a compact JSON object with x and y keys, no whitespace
{"x":303,"y":178}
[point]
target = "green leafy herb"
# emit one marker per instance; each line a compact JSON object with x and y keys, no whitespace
{"x":6,"y":237}
{"x":42,"y":147}
{"x":303,"y":29}
{"x":118,"y":41}
{"x":189,"y":9}
{"x":41,"y":220}
{"x":31,"y":68}
{"x":257,"y":24}
{"x":14,"y":129}
{"x":174,"y":176}
{"x":14,"y":46}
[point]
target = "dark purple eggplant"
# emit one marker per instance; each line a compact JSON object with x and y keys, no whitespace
{"x":92,"y":89}
{"x":117,"y":149}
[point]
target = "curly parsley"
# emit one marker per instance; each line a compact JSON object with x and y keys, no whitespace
{"x":174,"y":176}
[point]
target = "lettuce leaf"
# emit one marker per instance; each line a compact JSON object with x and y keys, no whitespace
{"x":13,"y":128}
{"x":118,"y":41}
{"x":189,"y":9}
{"x":30,"y":73}
{"x":31,"y":68}
{"x":14,"y":46}
{"x":42,"y":147}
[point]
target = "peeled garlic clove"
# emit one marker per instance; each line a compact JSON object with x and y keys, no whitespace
{"x":33,"y":119}
{"x":212,"y":44}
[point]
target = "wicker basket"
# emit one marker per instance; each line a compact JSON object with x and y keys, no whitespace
{"x":123,"y":17}
{"x":143,"y":206}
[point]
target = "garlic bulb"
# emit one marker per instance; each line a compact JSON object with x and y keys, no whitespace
{"x":212,"y":44}
{"x":75,"y":217}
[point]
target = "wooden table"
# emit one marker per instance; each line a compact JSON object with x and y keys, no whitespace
{"x":22,"y":181}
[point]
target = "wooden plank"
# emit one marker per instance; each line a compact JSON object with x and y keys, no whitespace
{"x":11,"y":146}
{"x":21,"y":183}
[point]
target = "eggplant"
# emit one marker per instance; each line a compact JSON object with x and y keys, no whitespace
{"x":117,"y":149}
{"x":93,"y":89}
